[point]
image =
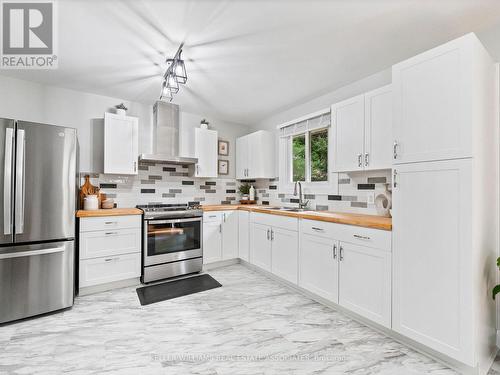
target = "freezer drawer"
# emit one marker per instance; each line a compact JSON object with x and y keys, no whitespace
{"x":35,"y":279}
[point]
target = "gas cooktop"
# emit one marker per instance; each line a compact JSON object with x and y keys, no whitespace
{"x":166,"y":211}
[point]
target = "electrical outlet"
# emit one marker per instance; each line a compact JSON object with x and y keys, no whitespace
{"x":371,"y":198}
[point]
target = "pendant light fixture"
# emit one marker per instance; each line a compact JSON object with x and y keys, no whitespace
{"x":175,"y":74}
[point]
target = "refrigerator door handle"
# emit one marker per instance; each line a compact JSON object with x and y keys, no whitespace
{"x":32,"y":253}
{"x":7,"y":181}
{"x":19,"y":207}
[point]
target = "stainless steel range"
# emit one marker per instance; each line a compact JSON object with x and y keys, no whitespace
{"x":172,"y":241}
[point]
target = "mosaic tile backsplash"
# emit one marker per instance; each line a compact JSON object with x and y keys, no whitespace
{"x":163,"y":183}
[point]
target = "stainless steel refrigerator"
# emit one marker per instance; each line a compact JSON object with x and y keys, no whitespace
{"x":37,"y":218}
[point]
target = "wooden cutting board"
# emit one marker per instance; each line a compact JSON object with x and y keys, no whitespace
{"x":88,"y":189}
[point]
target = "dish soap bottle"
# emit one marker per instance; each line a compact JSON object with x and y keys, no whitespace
{"x":252,"y":193}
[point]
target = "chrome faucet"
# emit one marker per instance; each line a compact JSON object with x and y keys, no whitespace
{"x":302,"y":204}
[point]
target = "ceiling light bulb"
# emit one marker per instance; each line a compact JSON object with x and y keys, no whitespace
{"x":172,"y":84}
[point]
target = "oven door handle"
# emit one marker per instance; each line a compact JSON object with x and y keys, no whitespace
{"x":153,"y":221}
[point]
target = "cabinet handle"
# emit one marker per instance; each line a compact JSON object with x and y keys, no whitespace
{"x":360,"y":163}
{"x":268,"y":234}
{"x":334,"y":251}
{"x":110,"y":233}
{"x":395,"y":150}
{"x":341,"y":253}
{"x":110,"y":222}
{"x":111,"y":259}
{"x":367,"y":159}
{"x":197,"y":169}
{"x":272,"y":235}
{"x":361,"y":237}
{"x":135,"y":166}
{"x":394,"y":174}
{"x":220,"y":228}
{"x":318,"y":229}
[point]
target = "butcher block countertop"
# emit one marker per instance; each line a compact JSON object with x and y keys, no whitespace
{"x":368,"y":221}
{"x":108,"y":212}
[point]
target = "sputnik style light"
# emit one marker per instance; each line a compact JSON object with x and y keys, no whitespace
{"x":174,"y":75}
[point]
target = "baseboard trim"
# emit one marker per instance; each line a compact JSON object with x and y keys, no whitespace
{"x":441,"y":358}
{"x":109,"y":286}
{"x":219,"y":264}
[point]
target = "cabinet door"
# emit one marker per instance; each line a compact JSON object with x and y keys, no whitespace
{"x":206,"y":152}
{"x":230,"y":235}
{"x":432,"y":109}
{"x":365,"y":282}
{"x":318,"y":266}
{"x":260,"y":251}
{"x":109,"y":269}
{"x":242,"y":157}
{"x":285,"y":253}
{"x":348,"y":128}
{"x":121,"y":144}
{"x":378,"y":129}
{"x":433,"y":258}
{"x":212,"y":241}
{"x":243,"y":235}
{"x":262,"y":153}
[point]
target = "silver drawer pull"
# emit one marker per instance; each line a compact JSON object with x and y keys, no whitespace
{"x":110,"y":259}
{"x":110,"y":222}
{"x":361,"y":237}
{"x":318,"y":229}
{"x":110,"y":233}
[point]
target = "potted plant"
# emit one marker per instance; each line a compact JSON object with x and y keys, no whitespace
{"x":244,"y":190}
{"x":496,"y":289}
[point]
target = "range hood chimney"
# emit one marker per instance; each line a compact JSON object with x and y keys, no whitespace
{"x":166,"y":136}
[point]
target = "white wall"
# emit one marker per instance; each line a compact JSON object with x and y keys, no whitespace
{"x":324,"y":101}
{"x":30,"y":101}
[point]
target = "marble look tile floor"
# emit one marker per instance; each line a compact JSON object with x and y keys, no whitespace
{"x":252,"y":325}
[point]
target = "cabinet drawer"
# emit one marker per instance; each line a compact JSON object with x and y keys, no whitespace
{"x":375,"y":238}
{"x":88,"y":224}
{"x":319,"y":228}
{"x":109,"y":269}
{"x":113,"y":242}
{"x":276,"y":221}
{"x":215,"y":216}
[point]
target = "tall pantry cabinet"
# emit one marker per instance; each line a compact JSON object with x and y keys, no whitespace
{"x":445,"y":199}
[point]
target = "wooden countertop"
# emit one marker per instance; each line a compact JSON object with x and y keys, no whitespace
{"x":108,"y":212}
{"x":368,"y":221}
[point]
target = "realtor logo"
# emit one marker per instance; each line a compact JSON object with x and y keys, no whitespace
{"x":28,"y":35}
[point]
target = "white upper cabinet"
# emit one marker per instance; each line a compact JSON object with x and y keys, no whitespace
{"x":205,"y":149}
{"x":362,"y":131}
{"x":121,"y":144}
{"x":378,"y":129}
{"x":437,"y":99}
{"x":255,"y":156}
{"x":433,"y":256}
{"x":348,"y":132}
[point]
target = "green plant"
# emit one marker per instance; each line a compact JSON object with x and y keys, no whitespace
{"x":496,"y":289}
{"x":244,"y":189}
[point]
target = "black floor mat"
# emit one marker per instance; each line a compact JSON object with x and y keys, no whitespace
{"x":177,"y":288}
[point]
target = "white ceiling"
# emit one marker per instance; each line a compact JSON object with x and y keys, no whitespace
{"x":249,"y":59}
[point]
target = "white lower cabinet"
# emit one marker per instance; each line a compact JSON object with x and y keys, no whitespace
{"x":284,"y":253}
{"x":260,"y":253}
{"x":212,"y":241}
{"x":109,"y":269}
{"x":110,"y":249}
{"x":220,"y":236}
{"x":365,"y":282}
{"x":244,"y":235}
{"x":319,"y":266}
{"x":229,"y":235}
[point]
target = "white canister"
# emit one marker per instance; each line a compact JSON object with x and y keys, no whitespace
{"x":252,"y":193}
{"x":90,"y":202}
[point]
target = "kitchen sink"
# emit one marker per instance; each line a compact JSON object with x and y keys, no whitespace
{"x":289,"y":209}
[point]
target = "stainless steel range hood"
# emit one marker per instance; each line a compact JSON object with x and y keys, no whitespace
{"x":166,"y":136}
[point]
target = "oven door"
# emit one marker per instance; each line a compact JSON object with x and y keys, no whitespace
{"x":172,"y":240}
